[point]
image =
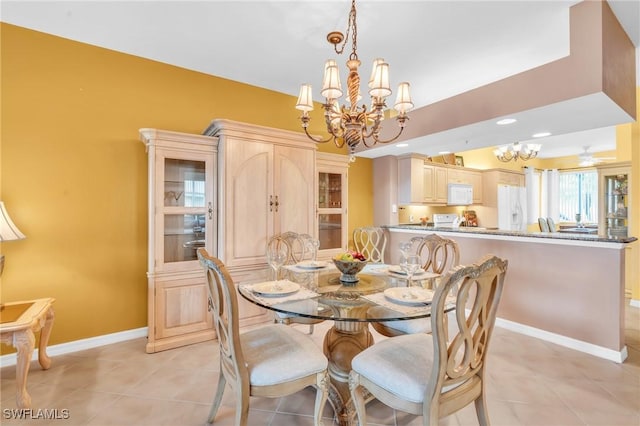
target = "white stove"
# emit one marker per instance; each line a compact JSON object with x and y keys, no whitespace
{"x":446,"y":220}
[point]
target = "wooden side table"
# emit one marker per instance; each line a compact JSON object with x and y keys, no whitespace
{"x":18,"y":323}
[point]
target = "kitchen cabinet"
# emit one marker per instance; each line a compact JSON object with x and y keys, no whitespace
{"x":411,"y":179}
{"x":182,"y":216}
{"x":267,"y":180}
{"x":614,"y":203}
{"x":434,"y":184}
{"x":467,"y":176}
{"x":421,"y":182}
{"x":332,"y":219}
{"x":491,"y":178}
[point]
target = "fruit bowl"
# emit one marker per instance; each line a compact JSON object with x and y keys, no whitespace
{"x":349,"y":269}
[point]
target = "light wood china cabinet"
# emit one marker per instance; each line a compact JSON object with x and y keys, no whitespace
{"x":267,"y":186}
{"x":182,"y":217}
{"x":332,"y":187}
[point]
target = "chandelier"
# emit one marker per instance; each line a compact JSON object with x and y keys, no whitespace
{"x":517,"y":151}
{"x":354,"y":125}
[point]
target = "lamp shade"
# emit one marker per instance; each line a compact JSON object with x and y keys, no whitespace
{"x":376,"y":62}
{"x":305,"y":100}
{"x":8,"y":230}
{"x":403,"y":99}
{"x":331,"y":87}
{"x":380,"y":87}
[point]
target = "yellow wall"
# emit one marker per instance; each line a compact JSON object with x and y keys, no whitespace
{"x":74,"y":174}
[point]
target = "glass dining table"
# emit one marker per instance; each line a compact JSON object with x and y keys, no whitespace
{"x":381,"y":294}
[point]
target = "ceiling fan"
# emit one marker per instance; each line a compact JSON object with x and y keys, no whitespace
{"x":587,"y":159}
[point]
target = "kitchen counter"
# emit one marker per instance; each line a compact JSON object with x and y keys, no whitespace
{"x":574,"y":236}
{"x":564,"y":288}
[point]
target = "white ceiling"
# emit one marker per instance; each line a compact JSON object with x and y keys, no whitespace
{"x":442,"y":47}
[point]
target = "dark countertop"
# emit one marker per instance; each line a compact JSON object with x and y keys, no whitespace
{"x":547,"y":235}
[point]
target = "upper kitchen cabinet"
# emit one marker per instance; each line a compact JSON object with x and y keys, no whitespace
{"x":491,"y":178}
{"x":332,"y":186}
{"x":471,"y":177}
{"x":422,"y":182}
{"x":410,"y":179}
{"x":614,"y":190}
{"x":182,"y":217}
{"x":267,"y":181}
{"x":434,"y":184}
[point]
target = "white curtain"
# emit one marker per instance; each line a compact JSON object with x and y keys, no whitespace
{"x":549,"y":183}
{"x":532,"y":185}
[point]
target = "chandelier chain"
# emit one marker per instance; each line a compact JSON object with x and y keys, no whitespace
{"x":354,"y":35}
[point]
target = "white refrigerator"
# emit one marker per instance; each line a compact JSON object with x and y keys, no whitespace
{"x":512,"y":208}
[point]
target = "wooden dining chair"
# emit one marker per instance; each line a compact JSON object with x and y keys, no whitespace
{"x":271,"y":361}
{"x":371,"y":241}
{"x":299,"y":247}
{"x":426,"y":375}
{"x":439,"y":255}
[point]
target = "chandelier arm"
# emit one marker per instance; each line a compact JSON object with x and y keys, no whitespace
{"x":375,"y":138}
{"x":331,"y":136}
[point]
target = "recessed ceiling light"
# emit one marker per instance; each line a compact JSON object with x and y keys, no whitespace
{"x":541,"y":135}
{"x":506,"y":121}
{"x":402,"y":145}
{"x":444,"y":152}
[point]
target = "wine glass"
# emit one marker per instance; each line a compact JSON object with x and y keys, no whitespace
{"x":276,"y":256}
{"x":410,"y":266}
{"x":404,"y":251}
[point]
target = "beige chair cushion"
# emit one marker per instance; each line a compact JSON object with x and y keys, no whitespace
{"x":274,"y":354}
{"x":407,"y":376}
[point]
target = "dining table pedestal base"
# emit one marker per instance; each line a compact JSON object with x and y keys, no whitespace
{"x":342,"y":343}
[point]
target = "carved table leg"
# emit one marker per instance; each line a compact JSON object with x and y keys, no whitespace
{"x":341,"y":343}
{"x":24,"y":341}
{"x":43,"y":358}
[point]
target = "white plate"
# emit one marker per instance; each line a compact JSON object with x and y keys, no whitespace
{"x":396,"y":269}
{"x":275,"y":288}
{"x":312,"y":264}
{"x":409,"y":295}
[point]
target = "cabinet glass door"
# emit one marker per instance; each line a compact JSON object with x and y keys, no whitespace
{"x":330,"y":231}
{"x":185,"y":209}
{"x":616,"y":204}
{"x":329,"y":190}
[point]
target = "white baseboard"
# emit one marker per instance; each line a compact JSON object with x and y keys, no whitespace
{"x":567,"y":342}
{"x":80,"y":345}
{"x":634,"y":303}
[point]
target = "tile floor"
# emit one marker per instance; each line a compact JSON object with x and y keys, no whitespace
{"x":531,"y":382}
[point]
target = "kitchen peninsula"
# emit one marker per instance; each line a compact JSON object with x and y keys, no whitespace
{"x":564,"y":288}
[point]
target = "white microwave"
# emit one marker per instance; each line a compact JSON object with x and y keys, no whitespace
{"x":459,"y":194}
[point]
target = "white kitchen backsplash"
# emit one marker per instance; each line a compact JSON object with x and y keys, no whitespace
{"x":413,"y":213}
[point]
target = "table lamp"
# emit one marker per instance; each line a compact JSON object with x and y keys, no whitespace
{"x":8,"y":232}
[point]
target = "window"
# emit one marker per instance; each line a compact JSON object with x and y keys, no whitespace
{"x":578,"y":193}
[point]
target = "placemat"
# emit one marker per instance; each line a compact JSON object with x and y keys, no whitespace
{"x":301,"y":294}
{"x":380,"y":299}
